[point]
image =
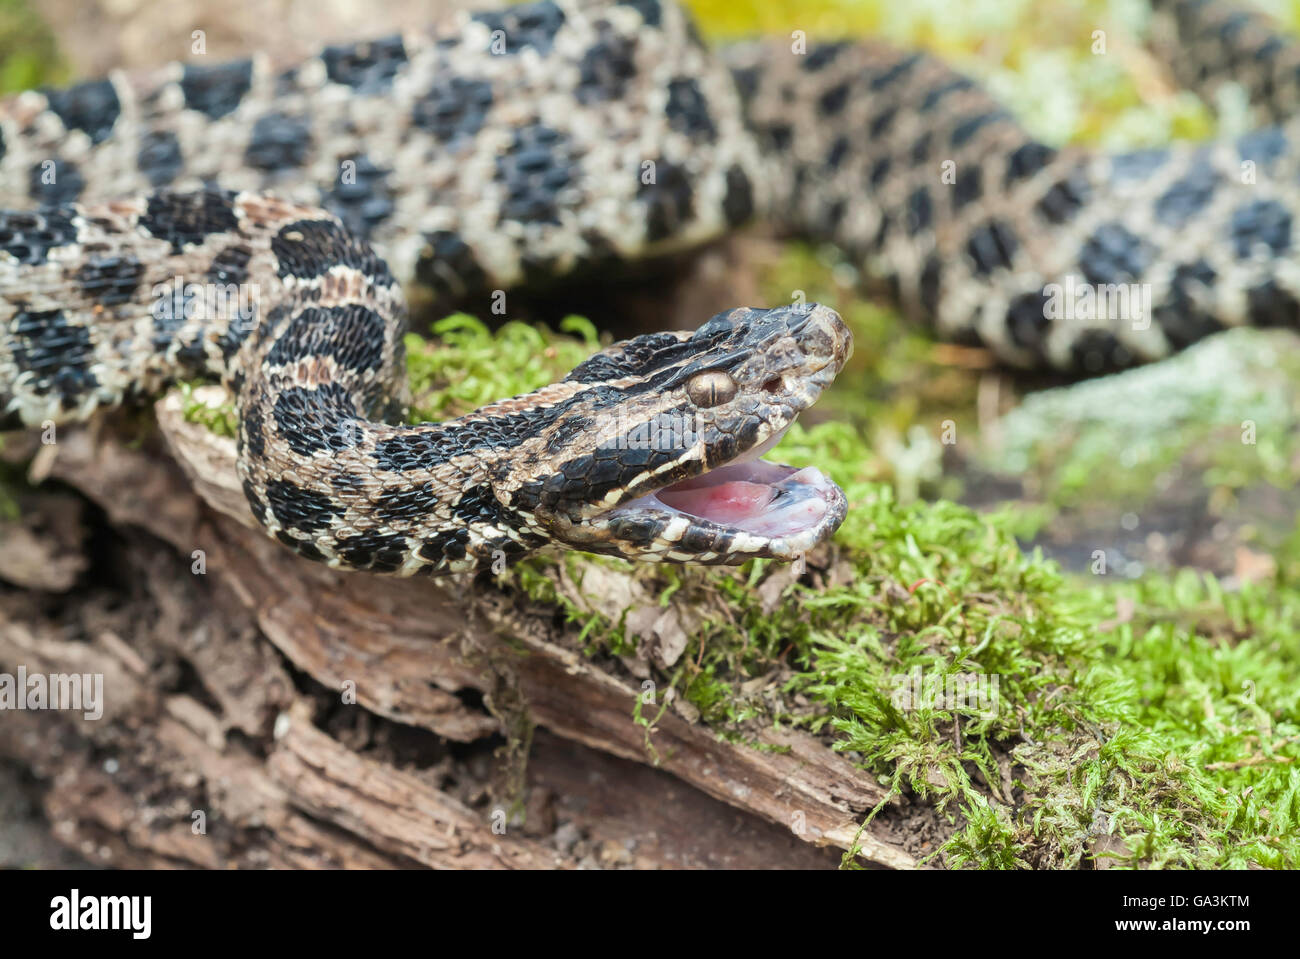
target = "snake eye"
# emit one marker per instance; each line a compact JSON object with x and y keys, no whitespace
{"x":711,"y":389}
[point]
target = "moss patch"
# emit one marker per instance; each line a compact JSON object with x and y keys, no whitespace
{"x":28,"y":54}
{"x":1151,"y":722}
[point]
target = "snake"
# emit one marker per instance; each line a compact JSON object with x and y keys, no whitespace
{"x":257,"y":223}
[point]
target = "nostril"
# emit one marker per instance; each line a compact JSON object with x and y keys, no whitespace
{"x":774,"y":385}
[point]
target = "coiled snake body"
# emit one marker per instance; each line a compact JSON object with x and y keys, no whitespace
{"x":566,"y":135}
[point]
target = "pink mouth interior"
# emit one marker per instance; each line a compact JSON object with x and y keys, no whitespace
{"x":750,"y":494}
{"x":758,"y":497}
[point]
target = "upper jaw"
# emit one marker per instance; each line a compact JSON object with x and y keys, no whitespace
{"x":746,"y":508}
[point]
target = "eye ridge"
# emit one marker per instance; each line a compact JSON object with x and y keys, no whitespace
{"x":712,"y":388}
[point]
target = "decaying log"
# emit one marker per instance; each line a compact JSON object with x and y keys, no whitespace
{"x":252,"y":761}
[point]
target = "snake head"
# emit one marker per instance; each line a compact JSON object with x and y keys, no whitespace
{"x":657,"y":453}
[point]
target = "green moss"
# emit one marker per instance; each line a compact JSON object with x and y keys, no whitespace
{"x":1227,"y":408}
{"x":28,"y":54}
{"x":1160,"y":714}
{"x":218,"y":417}
{"x":471,"y":366}
{"x":1099,"y":729}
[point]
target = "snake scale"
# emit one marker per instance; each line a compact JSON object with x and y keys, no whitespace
{"x":553,"y":139}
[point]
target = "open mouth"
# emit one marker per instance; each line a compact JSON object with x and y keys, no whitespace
{"x":793,"y":507}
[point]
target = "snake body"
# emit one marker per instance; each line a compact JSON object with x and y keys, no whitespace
{"x":559,"y":137}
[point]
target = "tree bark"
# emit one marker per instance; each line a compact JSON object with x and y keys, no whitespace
{"x":229,"y":737}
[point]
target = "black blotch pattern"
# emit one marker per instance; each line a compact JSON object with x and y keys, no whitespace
{"x":1262,"y":146}
{"x":931,"y":285}
{"x":182,"y":219}
{"x":838,"y":151}
{"x":878,"y":172}
{"x":352,"y":335}
{"x":823,"y":55}
{"x":309,"y":248}
{"x":1187,"y":197}
{"x":969,"y":186}
{"x":480,"y":505}
{"x":233,"y":337}
{"x":606,"y":68}
{"x":669,"y":201}
{"x":1261,"y":223}
{"x":1099,"y":351}
{"x":535,"y":169}
{"x":367,"y":67}
{"x":92,"y":107}
{"x":29,"y":237}
{"x":1064,"y":198}
{"x":230,"y":266}
{"x":66,"y":186}
{"x":168,"y":313}
{"x":921,"y":148}
{"x":530,"y":25}
{"x":778,"y":135}
{"x":57,"y":353}
{"x":454,"y":107}
{"x":159,"y":157}
{"x":738,"y":202}
{"x":254,"y":501}
{"x":230,"y":269}
{"x":1027,"y":321}
{"x":1137,"y":165}
{"x":882,"y":121}
{"x":449,"y":266}
{"x":1270,"y":305}
{"x":937,"y":94}
{"x":1113,"y":255}
{"x":405,"y":503}
{"x":279,"y":141}
{"x":1027,"y":160}
{"x":296,"y":508}
{"x":254,"y":438}
{"x":378,"y":552}
{"x":746,"y":80}
{"x":895,"y":72}
{"x":316,"y":420}
{"x":882,"y":231}
{"x":1181,"y":315}
{"x":992,"y":246}
{"x":302,"y":547}
{"x":964,"y":131}
{"x":829,"y":217}
{"x":216,"y":91}
{"x":834,"y":100}
{"x":449,"y":546}
{"x":423,"y":450}
{"x":365,"y":202}
{"x":591,"y":476}
{"x":920,"y":210}
{"x":110,"y":280}
{"x":688,"y":111}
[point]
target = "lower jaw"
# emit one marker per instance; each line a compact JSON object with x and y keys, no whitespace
{"x":779,"y":510}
